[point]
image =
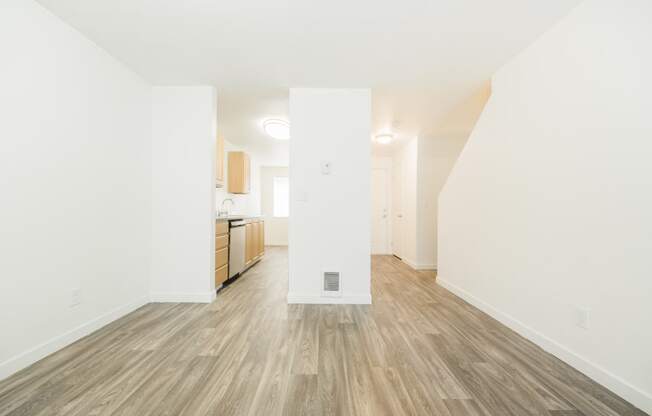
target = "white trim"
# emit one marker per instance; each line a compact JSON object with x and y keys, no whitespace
{"x":343,"y":300}
{"x":609,"y":380}
{"x":425,"y":267}
{"x":29,"y":357}
{"x":182,"y":297}
{"x":416,"y":266}
{"x":409,"y":262}
{"x":390,"y":198}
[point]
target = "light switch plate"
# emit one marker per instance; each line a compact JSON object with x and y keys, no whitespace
{"x":75,"y":297}
{"x":584,"y":318}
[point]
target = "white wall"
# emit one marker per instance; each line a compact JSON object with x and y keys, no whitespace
{"x":329,"y":214}
{"x":431,"y":174}
{"x":75,"y":186}
{"x":422,"y":166}
{"x":245,"y":204}
{"x":276,"y":228}
{"x":436,"y":157}
{"x":183,"y":193}
{"x":547,"y":212}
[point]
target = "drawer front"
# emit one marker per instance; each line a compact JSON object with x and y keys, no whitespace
{"x":221,"y":227}
{"x":221,"y":275}
{"x":221,"y":241}
{"x":221,"y":257}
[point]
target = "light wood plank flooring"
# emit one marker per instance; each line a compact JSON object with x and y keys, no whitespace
{"x":418,"y":350}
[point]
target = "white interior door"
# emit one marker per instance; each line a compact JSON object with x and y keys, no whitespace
{"x":379,"y":212}
{"x":397,"y":207}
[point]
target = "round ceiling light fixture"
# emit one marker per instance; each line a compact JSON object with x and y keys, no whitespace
{"x":277,"y":128}
{"x":384,"y":138}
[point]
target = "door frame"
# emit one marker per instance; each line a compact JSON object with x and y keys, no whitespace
{"x":396,"y":222}
{"x":388,"y":195}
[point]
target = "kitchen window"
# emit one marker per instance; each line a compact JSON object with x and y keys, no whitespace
{"x":281,"y":196}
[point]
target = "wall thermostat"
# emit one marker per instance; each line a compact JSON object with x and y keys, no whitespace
{"x":325,"y":168}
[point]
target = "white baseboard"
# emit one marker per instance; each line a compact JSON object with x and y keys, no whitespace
{"x":41,"y":351}
{"x":425,"y":267}
{"x":342,"y":300}
{"x":634,"y":395}
{"x":409,"y":262}
{"x":182,"y":297}
{"x":417,"y":266}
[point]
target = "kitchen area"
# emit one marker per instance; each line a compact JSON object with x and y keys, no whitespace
{"x":219,"y":193}
{"x":239,"y":237}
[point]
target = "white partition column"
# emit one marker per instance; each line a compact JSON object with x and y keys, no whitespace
{"x":183,"y":193}
{"x":330,"y":188}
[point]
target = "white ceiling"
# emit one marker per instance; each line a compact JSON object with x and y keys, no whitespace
{"x":240,"y":117}
{"x":420,"y":57}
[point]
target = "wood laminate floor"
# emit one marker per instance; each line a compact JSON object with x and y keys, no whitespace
{"x":419,"y":350}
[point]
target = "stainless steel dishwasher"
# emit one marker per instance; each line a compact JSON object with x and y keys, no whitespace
{"x":236,"y":247}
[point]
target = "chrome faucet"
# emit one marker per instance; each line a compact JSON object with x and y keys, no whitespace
{"x":222,"y":212}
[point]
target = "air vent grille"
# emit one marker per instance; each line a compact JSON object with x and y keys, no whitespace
{"x":331,"y":281}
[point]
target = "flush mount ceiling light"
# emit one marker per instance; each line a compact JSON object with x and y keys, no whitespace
{"x":384,"y":138}
{"x":277,"y":128}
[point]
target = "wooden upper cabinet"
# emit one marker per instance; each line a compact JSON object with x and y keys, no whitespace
{"x":219,"y":171}
{"x":239,"y":177}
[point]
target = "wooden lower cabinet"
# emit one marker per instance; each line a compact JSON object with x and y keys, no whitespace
{"x":261,"y":238}
{"x":221,"y":228}
{"x":221,"y":257}
{"x":221,"y":241}
{"x":255,"y":241}
{"x":256,"y":247}
{"x":221,"y":252}
{"x":221,"y":275}
{"x":249,"y":241}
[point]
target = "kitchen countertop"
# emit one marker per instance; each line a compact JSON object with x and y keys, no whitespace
{"x":237,"y":217}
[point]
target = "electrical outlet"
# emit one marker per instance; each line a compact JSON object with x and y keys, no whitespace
{"x":583,"y":318}
{"x":75,"y":297}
